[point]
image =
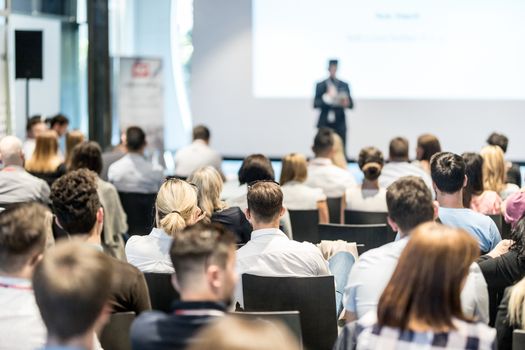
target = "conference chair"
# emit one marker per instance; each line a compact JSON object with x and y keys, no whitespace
{"x":139,"y":208}
{"x":304,"y":225}
{"x":503,"y":228}
{"x":334,"y":209}
{"x":161,"y":291}
{"x":115,"y":335}
{"x":366,"y":236}
{"x":355,"y":217}
{"x":518,"y":339}
{"x":313,"y":297}
{"x":291,"y":319}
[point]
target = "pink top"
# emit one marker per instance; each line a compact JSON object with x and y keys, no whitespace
{"x":488,"y":203}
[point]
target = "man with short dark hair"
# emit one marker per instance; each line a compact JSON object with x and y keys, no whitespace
{"x":399,"y":165}
{"x":203,"y":256}
{"x":198,"y":154}
{"x":322,"y":173}
{"x":34,"y":127}
{"x":409,"y":203}
{"x":513,"y":169}
{"x":449,"y":178}
{"x":133,"y":173}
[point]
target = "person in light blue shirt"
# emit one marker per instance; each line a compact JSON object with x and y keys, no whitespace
{"x":449,"y":177}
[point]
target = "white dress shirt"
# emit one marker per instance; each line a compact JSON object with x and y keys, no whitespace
{"x":373,"y":200}
{"x":194,"y":156}
{"x":271,"y":253}
{"x":334,"y":181}
{"x":133,"y":173}
{"x":394,"y":170}
{"x":150,"y":253}
{"x":298,"y":196}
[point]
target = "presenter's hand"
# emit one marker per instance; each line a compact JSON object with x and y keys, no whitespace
{"x":345,"y":102}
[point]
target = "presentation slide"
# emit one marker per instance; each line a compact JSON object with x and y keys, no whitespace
{"x":402,"y":49}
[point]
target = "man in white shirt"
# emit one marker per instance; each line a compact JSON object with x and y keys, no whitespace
{"x":35,"y":126}
{"x":409,"y":204}
{"x":270,"y":252}
{"x":197,"y":155}
{"x":322,"y":173}
{"x":133,"y":173}
{"x":399,"y":166}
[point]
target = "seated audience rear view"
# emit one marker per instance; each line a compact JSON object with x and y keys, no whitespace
{"x":133,"y":173}
{"x":420,"y":308}
{"x":369,"y":196}
{"x":46,"y":162}
{"x":409,"y":204}
{"x":475,"y":196}
{"x":449,"y":179}
{"x":209,"y":182}
{"x":73,"y":138}
{"x":34,"y":127}
{"x":175,"y":208}
{"x":427,"y":146}
{"x":78,"y":211}
{"x":204,"y":257}
{"x":512,"y":169}
{"x":296,"y":195}
{"x":495,"y":172}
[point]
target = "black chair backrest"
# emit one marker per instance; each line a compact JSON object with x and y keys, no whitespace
{"x":139,"y":208}
{"x":161,"y":291}
{"x":518,"y":339}
{"x":304,"y":225}
{"x":313,"y":297}
{"x":503,"y":227}
{"x":115,"y":335}
{"x":498,"y":220}
{"x":290,"y":319}
{"x":334,"y":209}
{"x":354,"y":217}
{"x":370,"y":236}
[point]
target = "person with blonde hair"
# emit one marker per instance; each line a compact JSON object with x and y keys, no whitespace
{"x":338,"y":157}
{"x":73,"y":138}
{"x":495,"y":172}
{"x":511,"y":314}
{"x":209,"y":182}
{"x":296,"y":195}
{"x":175,"y":208}
{"x":45,"y":162}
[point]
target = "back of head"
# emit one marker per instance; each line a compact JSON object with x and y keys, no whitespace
{"x":473,"y":168}
{"x":22,"y":236}
{"x":75,"y":201}
{"x":254,"y":168}
{"x":409,"y":203}
{"x":11,"y":151}
{"x":73,"y":138}
{"x":87,"y":155}
{"x":72,"y":285}
{"x":398,"y":150}
{"x":45,"y":156}
{"x":32,"y":123}
{"x":265,"y":201}
{"x":135,"y":139}
{"x":496,"y":139}
{"x":371,"y":162}
{"x":209,"y":183}
{"x":235,"y":333}
{"x":494,"y":170}
{"x":323,"y":142}
{"x":426,"y":284}
{"x":427,"y":145}
{"x":201,"y":132}
{"x":176,"y":205}
{"x":448,"y":171}
{"x":58,"y":120}
{"x":294,"y":168}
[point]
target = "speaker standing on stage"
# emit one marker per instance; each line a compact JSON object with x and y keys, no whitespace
{"x":332,"y":96}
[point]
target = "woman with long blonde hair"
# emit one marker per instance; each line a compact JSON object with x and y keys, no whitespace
{"x":45,"y":162}
{"x":73,"y":138}
{"x":511,"y":314}
{"x":338,"y":157}
{"x":495,"y":172}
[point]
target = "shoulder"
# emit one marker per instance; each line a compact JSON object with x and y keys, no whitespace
{"x":125,"y":270}
{"x":477,"y":330}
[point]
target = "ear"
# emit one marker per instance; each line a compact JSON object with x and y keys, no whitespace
{"x":35,"y":259}
{"x":465,"y":181}
{"x":175,"y":283}
{"x":213,"y":274}
{"x":102,"y":318}
{"x":248,"y":214}
{"x":392,"y":224}
{"x":282,"y":211}
{"x":434,"y":187}
{"x":435,"y":204}
{"x":100,"y":215}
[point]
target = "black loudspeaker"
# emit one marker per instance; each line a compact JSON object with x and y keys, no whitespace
{"x":28,"y":54}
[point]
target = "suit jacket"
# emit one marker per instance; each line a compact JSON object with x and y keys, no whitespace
{"x":320,"y":89}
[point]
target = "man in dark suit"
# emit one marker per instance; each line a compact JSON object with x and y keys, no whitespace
{"x":332,"y":96}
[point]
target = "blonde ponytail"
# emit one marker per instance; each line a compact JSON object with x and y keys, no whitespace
{"x":176,"y":205}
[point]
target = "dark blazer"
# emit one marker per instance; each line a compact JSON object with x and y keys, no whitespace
{"x":340,"y":122}
{"x":504,"y":328}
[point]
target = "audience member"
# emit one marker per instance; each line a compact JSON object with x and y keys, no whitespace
{"x":88,"y":155}
{"x":59,"y":123}
{"x":111,"y":156}
{"x":399,"y":166}
{"x":427,"y":146}
{"x":198,"y":154}
{"x":420,"y":308}
{"x":495,"y":172}
{"x":45,"y":162}
{"x":449,"y":179}
{"x":16,"y":184}
{"x":368,"y":196}
{"x":513,"y":169}
{"x":236,"y":333}
{"x":339,"y":157}
{"x":73,"y":138}
{"x":175,"y":208}
{"x":513,"y":207}
{"x":511,"y":315}
{"x":78,"y":211}
{"x":409,"y":204}
{"x":209,"y":182}
{"x":204,"y":258}
{"x":22,"y":243}
{"x":133,"y":173}
{"x":72,"y":289}
{"x":296,"y":195}
{"x":475,"y":196}
{"x":322,"y":173}
{"x":34,"y":127}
